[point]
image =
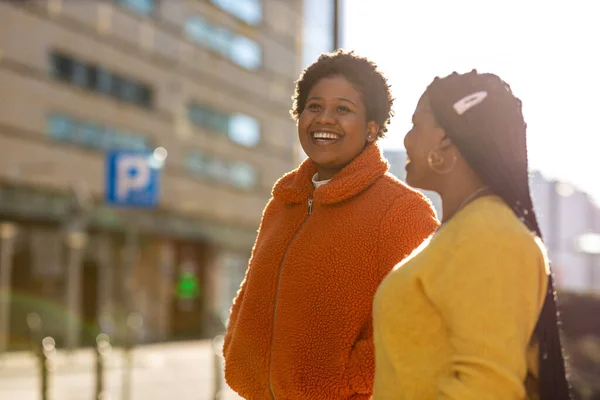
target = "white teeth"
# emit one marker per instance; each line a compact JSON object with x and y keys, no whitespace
{"x":326,"y":135}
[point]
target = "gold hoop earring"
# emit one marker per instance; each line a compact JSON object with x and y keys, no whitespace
{"x":434,"y":168}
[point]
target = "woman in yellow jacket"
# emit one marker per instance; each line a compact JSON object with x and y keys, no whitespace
{"x":471,"y":314}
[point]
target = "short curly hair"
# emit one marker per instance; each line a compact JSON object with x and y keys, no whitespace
{"x":362,"y":73}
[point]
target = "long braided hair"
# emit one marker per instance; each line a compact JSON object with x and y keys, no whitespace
{"x":491,"y":136}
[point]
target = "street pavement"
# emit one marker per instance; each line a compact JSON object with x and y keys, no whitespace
{"x":182,"y":371}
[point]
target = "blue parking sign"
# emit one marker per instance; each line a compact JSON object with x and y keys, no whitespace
{"x":132,"y":179}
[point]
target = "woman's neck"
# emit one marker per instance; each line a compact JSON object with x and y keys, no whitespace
{"x":455,"y":199}
{"x":325,"y":174}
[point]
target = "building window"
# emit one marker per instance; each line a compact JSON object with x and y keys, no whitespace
{"x":99,"y":79}
{"x":249,"y":11}
{"x":245,"y":52}
{"x":244,"y":130}
{"x":236,"y":174}
{"x":242,"y":175}
{"x":217,"y":170}
{"x":103,"y":81}
{"x":240,"y":128}
{"x":144,"y":7}
{"x":239,"y":49}
{"x":80,"y":74}
{"x":60,"y":127}
{"x":61,"y":67}
{"x":88,"y":134}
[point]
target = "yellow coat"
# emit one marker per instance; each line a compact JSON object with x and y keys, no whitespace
{"x":455,"y":319}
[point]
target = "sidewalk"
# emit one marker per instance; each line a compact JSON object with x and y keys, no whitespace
{"x":183,"y":371}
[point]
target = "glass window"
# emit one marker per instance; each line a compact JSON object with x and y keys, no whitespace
{"x":60,"y":127}
{"x":92,"y":135}
{"x":128,"y":90}
{"x":140,"y":6}
{"x":100,"y":79}
{"x":242,"y":175}
{"x":144,"y":96}
{"x":220,"y":41}
{"x":217,"y":169}
{"x":132,"y":141}
{"x":104,"y":81}
{"x":205,"y":117}
{"x":196,"y":163}
{"x":245,"y":52}
{"x":198,"y":115}
{"x":123,"y":140}
{"x":89,"y":135}
{"x":249,"y":11}
{"x":108,"y":139}
{"x":238,"y":174}
{"x":61,"y":66}
{"x":239,"y":49}
{"x":116,"y":89}
{"x":79,"y":76}
{"x":244,"y":130}
{"x":218,"y":122}
{"x":92,"y":78}
{"x":131,"y":91}
{"x":199,"y":30}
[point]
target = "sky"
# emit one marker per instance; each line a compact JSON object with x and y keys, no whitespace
{"x":546,"y":51}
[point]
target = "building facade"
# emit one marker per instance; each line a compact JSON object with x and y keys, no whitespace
{"x":566,"y":215}
{"x":208,"y":80}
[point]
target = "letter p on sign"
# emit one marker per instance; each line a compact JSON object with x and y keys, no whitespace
{"x":133,"y":175}
{"x":131,"y":179}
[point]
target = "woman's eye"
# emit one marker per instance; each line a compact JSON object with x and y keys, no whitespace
{"x":343,"y":109}
{"x":314,"y":107}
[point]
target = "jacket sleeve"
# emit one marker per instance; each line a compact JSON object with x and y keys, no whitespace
{"x":406,"y":224}
{"x":490,"y":295}
{"x":239,"y":298}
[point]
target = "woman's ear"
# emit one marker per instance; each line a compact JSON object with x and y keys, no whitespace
{"x":372,"y":131}
{"x":445,"y":142}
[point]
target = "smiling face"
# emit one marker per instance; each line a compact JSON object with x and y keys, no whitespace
{"x":333,"y":127}
{"x":424,"y":137}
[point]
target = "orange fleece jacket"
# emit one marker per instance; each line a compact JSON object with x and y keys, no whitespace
{"x":301,"y":324}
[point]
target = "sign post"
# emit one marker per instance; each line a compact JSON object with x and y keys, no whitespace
{"x":132,"y":181}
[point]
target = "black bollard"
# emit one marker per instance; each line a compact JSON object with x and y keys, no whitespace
{"x":101,"y":349}
{"x":34,"y":323}
{"x":45,"y":353}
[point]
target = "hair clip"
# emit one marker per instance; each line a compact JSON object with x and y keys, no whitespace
{"x":469,"y":101}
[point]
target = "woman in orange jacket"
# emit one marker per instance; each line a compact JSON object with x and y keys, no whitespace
{"x":300,"y":327}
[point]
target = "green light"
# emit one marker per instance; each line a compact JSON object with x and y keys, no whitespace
{"x":188,"y":286}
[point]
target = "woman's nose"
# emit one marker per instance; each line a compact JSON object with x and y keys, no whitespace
{"x":326,"y":117}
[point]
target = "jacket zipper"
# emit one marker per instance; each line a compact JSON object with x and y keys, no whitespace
{"x":308,"y":213}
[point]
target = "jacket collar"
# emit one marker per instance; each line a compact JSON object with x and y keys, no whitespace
{"x":362,"y":172}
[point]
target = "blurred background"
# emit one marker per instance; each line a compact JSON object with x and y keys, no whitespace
{"x":140,"y":139}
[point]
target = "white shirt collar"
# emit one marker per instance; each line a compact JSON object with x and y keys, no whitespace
{"x":316,"y":183}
